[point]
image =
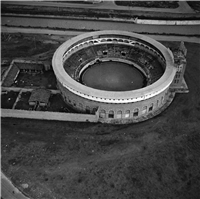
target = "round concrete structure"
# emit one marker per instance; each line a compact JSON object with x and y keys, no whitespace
{"x":150,"y":57}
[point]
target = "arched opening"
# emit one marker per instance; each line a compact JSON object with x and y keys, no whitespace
{"x":105,"y":52}
{"x":102,"y":114}
{"x":136,"y":112}
{"x":157,"y":103}
{"x":127,"y":113}
{"x":144,"y":110}
{"x":162,"y":100}
{"x":94,"y":110}
{"x":151,"y":107}
{"x":111,"y":114}
{"x":87,"y":109}
{"x":80,"y":106}
{"x":123,"y":53}
{"x":119,"y":114}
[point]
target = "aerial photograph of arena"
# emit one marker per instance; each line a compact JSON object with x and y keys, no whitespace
{"x":100,"y":99}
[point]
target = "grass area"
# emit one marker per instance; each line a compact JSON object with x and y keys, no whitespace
{"x":57,"y":104}
{"x":195,"y":5}
{"x":8,"y":100}
{"x":28,"y":80}
{"x":149,"y":4}
{"x":15,"y":45}
{"x":23,"y":101}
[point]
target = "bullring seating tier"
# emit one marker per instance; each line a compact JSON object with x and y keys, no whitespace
{"x":149,"y":62}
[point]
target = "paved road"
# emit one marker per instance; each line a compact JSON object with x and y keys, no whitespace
{"x":108,"y":4}
{"x":8,"y":191}
{"x":99,"y":25}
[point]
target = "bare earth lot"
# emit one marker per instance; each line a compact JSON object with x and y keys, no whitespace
{"x":149,"y":4}
{"x":47,"y":80}
{"x":158,"y":158}
{"x":195,"y":5}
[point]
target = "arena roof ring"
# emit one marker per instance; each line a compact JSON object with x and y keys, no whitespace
{"x":68,"y":75}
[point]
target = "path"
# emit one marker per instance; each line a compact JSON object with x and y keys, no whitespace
{"x":8,"y":190}
{"x":183,"y":6}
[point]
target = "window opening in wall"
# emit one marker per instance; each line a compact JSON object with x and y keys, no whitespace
{"x":157,"y":103}
{"x":123,"y":53}
{"x":103,"y":40}
{"x":162,"y":100}
{"x":81,"y":105}
{"x":94,"y":110}
{"x":102,"y":114}
{"x":127,"y":114}
{"x":144,"y":110}
{"x":151,"y":107}
{"x":87,"y":109}
{"x":111,"y":114}
{"x":91,"y":42}
{"x":119,"y":114}
{"x":105,"y":52}
{"x":136,"y":112}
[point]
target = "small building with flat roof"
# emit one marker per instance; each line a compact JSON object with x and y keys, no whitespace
{"x":39,"y":96}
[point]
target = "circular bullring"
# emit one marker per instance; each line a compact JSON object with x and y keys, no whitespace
{"x":121,"y":76}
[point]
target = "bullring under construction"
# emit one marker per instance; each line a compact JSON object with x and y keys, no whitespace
{"x":104,"y":76}
{"x":116,"y":97}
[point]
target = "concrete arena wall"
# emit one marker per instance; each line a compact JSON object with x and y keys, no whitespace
{"x":89,"y":106}
{"x":112,"y":97}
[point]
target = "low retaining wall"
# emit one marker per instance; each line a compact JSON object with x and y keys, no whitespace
{"x":18,"y":89}
{"x":167,"y":22}
{"x":41,"y":115}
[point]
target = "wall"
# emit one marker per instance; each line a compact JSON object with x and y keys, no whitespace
{"x":90,"y":106}
{"x":40,"y":115}
{"x":167,"y":22}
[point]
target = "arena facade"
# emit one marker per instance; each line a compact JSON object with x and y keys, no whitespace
{"x":161,"y":68}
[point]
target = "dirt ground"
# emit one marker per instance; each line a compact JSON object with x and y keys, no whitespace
{"x":195,"y":5}
{"x":158,"y":158}
{"x":149,"y":4}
